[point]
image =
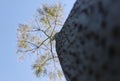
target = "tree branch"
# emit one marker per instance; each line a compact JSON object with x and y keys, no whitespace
{"x":31,"y":43}
{"x":39,"y":29}
{"x":48,"y":60}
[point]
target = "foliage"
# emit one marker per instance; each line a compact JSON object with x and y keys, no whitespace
{"x":38,"y":39}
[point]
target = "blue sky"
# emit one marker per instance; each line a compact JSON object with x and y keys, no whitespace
{"x":13,"y":12}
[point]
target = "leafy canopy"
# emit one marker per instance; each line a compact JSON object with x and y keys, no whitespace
{"x":37,"y":39}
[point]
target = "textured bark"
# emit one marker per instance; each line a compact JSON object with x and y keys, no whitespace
{"x":88,"y":46}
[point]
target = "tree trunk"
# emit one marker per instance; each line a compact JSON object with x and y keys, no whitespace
{"x":88,"y":46}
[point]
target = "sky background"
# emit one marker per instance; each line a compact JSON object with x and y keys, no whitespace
{"x":12,"y":13}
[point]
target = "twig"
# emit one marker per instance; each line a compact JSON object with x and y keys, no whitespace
{"x":31,"y":43}
{"x":48,"y":60}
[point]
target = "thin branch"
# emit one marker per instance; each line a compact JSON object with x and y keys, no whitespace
{"x":54,"y":25}
{"x":51,"y":49}
{"x":36,"y":47}
{"x":48,"y":60}
{"x":43,"y":42}
{"x":31,"y":43}
{"x":46,"y":46}
{"x":48,"y":22}
{"x":39,"y":29}
{"x":46,"y":17}
{"x":30,"y":50}
{"x":47,"y":29}
{"x":59,"y":24}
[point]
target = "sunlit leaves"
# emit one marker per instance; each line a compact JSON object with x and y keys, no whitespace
{"x":38,"y":69}
{"x":22,"y":44}
{"x":37,"y":39}
{"x":38,"y":66}
{"x":49,"y":13}
{"x":23,"y":31}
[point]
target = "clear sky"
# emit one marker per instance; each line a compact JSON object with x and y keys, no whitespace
{"x":13,"y":12}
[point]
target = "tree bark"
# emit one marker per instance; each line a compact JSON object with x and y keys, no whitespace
{"x":88,"y":45}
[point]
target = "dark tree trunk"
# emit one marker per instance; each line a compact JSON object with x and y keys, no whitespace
{"x":88,"y":46}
